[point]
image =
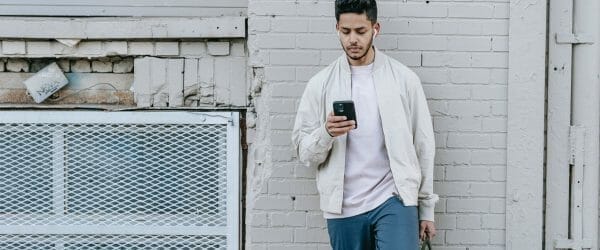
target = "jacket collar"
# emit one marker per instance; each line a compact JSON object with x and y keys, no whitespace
{"x":377,"y":63}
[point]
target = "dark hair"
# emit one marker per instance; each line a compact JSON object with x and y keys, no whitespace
{"x":356,"y":6}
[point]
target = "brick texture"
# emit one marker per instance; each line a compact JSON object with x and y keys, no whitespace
{"x":460,"y":51}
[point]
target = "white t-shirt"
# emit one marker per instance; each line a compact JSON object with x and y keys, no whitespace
{"x":368,"y":180}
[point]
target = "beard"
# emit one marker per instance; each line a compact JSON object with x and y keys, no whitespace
{"x":360,"y":56}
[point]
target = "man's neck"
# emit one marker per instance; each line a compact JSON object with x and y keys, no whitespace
{"x":365,"y":60}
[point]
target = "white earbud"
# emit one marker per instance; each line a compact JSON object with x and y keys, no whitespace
{"x":338,"y":33}
{"x":374,"y":33}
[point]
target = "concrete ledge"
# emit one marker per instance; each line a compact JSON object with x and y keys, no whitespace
{"x":121,"y":28}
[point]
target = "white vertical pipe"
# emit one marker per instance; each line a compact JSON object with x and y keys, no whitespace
{"x":559,"y":121}
{"x":586,"y":108}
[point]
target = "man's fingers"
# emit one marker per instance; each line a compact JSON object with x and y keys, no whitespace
{"x":422,"y":232}
{"x":341,"y":130}
{"x":336,"y":118}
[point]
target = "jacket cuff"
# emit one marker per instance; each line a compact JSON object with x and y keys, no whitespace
{"x":426,"y":210}
{"x":325,"y":139}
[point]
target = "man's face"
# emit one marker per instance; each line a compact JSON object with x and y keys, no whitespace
{"x":356,"y":34}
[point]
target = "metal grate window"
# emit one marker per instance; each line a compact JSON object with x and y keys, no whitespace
{"x":119,"y":180}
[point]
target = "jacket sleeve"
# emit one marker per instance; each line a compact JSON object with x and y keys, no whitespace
{"x":424,"y":143}
{"x":309,"y":137}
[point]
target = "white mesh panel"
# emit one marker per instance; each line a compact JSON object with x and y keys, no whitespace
{"x":120,"y":184}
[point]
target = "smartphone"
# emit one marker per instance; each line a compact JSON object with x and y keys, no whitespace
{"x":345,"y":108}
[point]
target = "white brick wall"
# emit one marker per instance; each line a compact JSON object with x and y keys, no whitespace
{"x":460,"y":51}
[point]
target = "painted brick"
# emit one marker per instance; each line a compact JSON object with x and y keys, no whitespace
{"x":492,"y":157}
{"x":307,"y":203}
{"x":322,"y":25}
{"x":452,"y":156}
{"x":299,"y":58}
{"x":468,"y":205}
{"x":471,"y":11}
{"x":498,"y":173}
{"x":490,"y":60}
{"x":420,"y":9}
{"x":14,"y":48}
{"x":39,"y":48}
{"x":437,"y":107}
{"x":272,"y":235}
{"x":282,"y":155}
{"x":420,"y":27}
{"x":293,"y":219}
{"x":282,"y":170}
{"x":123,"y":66}
{"x":451,"y":189}
{"x":300,"y":187}
{"x":258,"y":219}
{"x":140,"y":48}
{"x":445,"y":221}
{"x":289,"y":25}
{"x":273,"y":203}
{"x":288,"y":90}
{"x":468,"y":108}
{"x":17,"y":65}
{"x":193,"y":49}
{"x":494,"y":124}
{"x":464,"y":43}
{"x":470,"y":76}
{"x":314,"y":9}
{"x":382,"y":42}
{"x":457,"y":124}
{"x":501,"y":11}
{"x":306,"y":73}
{"x":81,"y":66}
{"x":493,"y":221}
{"x":102,"y":66}
{"x":282,"y":106}
{"x":218,"y":48}
{"x":408,"y":58}
{"x":311,"y":235}
{"x":238,"y":48}
{"x":64,"y":64}
{"x":167,"y":48}
{"x":470,"y":173}
{"x":498,"y":206}
{"x":315,"y":220}
{"x":436,"y":75}
{"x":422,"y":43}
{"x":500,"y":76}
{"x":493,"y":189}
{"x":115,"y":48}
{"x":500,"y":43}
{"x":444,"y":59}
{"x":276,"y":41}
{"x":467,"y":237}
{"x":302,"y":171}
{"x":447,"y":92}
{"x":490,"y":92}
{"x":90,"y":48}
{"x":270,"y":8}
{"x":259,"y":24}
{"x":499,"y":140}
{"x":462,"y":140}
{"x":468,"y":222}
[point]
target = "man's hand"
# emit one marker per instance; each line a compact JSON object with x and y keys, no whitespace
{"x":427,"y":228}
{"x":338,"y":125}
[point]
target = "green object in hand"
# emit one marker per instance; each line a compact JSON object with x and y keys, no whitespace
{"x":426,"y":244}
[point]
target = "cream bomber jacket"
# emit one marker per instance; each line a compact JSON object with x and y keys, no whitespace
{"x":407,"y":130}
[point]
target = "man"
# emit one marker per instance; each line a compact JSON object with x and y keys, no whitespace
{"x":370,"y":178}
